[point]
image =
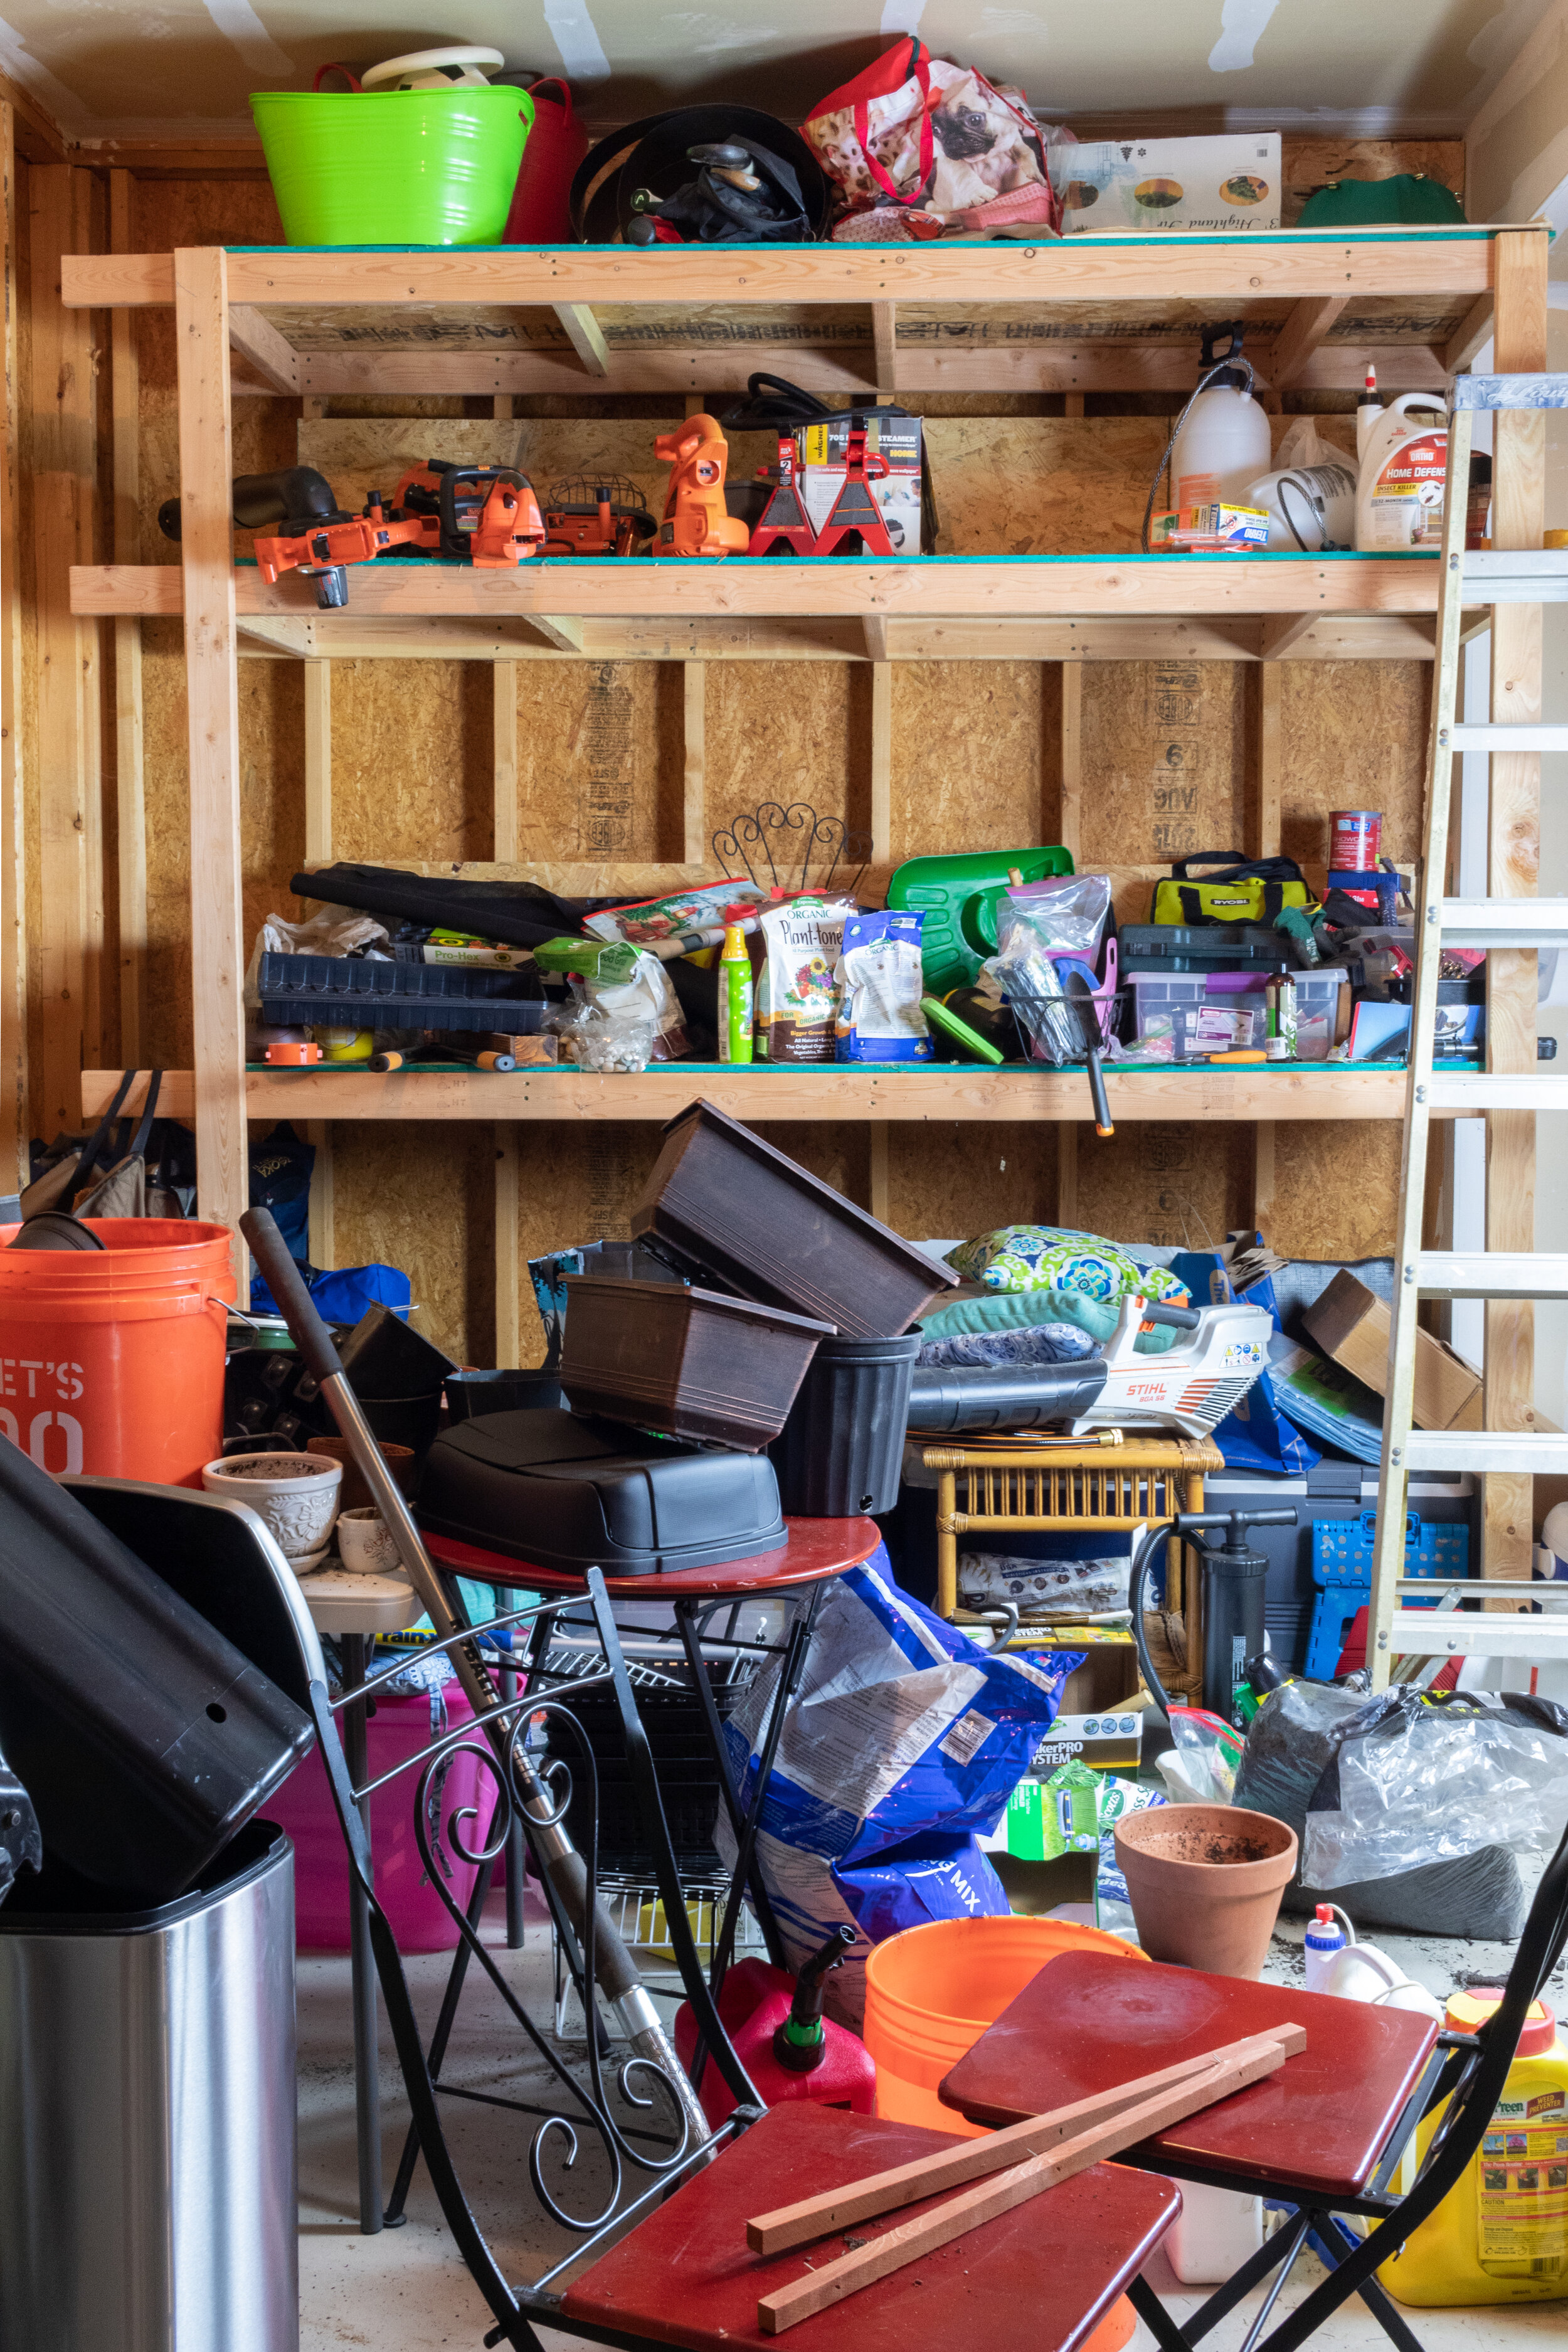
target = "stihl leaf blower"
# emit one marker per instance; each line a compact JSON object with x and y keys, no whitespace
{"x":1187,"y":1389}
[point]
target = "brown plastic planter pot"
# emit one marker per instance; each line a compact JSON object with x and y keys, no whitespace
{"x":1204,"y":1883}
{"x":684,"y":1362}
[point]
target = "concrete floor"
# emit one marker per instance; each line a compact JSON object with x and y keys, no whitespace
{"x":407,"y":2290}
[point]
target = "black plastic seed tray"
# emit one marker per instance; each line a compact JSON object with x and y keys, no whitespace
{"x":349,"y":991}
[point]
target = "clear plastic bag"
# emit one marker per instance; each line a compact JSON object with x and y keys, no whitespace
{"x":1209,"y":1752}
{"x":1424,"y":1776}
{"x":1065,"y":913}
{"x":601,"y":1039}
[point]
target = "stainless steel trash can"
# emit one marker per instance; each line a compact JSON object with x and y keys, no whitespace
{"x":147,"y":2114}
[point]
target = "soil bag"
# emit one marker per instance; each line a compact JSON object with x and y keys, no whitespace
{"x":902,"y":1730}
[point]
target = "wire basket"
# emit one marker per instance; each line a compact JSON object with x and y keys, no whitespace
{"x":1057,"y":1026}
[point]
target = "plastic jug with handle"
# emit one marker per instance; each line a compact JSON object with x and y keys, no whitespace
{"x":1399,"y":495}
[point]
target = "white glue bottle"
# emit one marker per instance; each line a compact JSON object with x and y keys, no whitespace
{"x":1368,"y":409}
{"x":1399,"y":497}
{"x":1224,"y":442}
{"x":1326,"y":1939}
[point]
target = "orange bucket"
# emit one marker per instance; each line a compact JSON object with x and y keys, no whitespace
{"x":931,"y":1993}
{"x":111,"y":1360}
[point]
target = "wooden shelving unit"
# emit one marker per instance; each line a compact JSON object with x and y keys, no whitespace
{"x":1104,"y":313}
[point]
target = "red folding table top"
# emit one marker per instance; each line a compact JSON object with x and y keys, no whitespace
{"x":1087,"y":2021}
{"x":1035,"y":2280}
{"x":814,"y":1549}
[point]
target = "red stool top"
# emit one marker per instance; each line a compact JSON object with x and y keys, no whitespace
{"x":813,"y":1550}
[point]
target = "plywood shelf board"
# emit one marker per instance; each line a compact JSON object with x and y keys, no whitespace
{"x":760,"y":1096}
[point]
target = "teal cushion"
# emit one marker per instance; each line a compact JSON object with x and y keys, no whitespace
{"x":1019,"y":1311}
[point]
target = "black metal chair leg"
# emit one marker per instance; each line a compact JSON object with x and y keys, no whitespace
{"x":1155,"y":2317}
{"x":438,"y":2041}
{"x":1240,"y":2284}
{"x":686,"y":1618}
{"x":1372,"y":2291}
{"x":1294,"y":2236}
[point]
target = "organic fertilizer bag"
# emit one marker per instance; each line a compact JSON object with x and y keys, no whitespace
{"x":901,"y":1729}
{"x":797,"y":995}
{"x":880,"y":985}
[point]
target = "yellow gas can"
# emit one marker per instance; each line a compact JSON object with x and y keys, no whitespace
{"x":1501,"y":2235}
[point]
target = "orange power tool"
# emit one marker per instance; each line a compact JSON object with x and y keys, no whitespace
{"x":696,"y":520}
{"x":488,"y":516}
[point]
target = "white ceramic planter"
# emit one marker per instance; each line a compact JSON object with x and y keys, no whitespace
{"x":295,"y":1493}
{"x":365,"y":1544}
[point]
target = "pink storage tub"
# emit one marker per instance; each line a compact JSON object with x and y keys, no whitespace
{"x":400,"y":1728}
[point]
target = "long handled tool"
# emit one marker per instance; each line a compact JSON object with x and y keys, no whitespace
{"x":1054,"y":2147}
{"x":616,"y":1969}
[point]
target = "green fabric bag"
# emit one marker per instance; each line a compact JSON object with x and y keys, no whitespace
{"x":1407,"y":200}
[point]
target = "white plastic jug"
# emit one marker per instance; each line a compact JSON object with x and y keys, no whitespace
{"x":1366,"y":1972}
{"x":1224,"y":445}
{"x":1399,"y":497}
{"x":1309,"y":508}
{"x":1213,"y":2234}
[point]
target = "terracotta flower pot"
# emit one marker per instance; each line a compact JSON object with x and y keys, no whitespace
{"x":1204,"y":1883}
{"x":356,"y":1495}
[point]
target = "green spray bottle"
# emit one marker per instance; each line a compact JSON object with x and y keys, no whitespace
{"x":735,"y":988}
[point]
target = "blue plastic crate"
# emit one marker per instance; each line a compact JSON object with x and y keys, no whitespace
{"x":1342,"y":1570}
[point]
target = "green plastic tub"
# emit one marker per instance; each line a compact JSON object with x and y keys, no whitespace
{"x":393,"y":167}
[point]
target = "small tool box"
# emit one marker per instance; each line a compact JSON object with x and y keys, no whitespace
{"x":1162,"y":947}
{"x":1342,"y":1571}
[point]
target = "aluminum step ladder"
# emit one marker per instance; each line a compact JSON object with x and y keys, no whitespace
{"x":1486,"y":578}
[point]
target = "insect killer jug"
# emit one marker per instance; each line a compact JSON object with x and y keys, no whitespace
{"x":1501,"y":2235}
{"x":1399,"y":497}
{"x":1224,"y":442}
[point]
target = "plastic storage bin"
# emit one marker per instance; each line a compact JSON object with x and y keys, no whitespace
{"x":395,"y":166}
{"x":398,"y":1730}
{"x":1180,"y":996}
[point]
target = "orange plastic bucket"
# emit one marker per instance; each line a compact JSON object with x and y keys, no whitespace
{"x":931,"y":1993}
{"x":111,"y":1360}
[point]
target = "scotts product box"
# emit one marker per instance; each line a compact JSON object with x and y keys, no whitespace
{"x":1220,"y":528}
{"x":822,"y":450}
{"x":1172,"y":183}
{"x":1110,"y":1742}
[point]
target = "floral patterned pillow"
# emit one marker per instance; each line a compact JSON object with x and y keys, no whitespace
{"x":1046,"y":1257}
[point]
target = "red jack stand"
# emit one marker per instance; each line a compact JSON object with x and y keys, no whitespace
{"x":784,"y":522}
{"x":855,"y":509}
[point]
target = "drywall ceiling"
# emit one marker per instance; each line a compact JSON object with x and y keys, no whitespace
{"x":155,"y":67}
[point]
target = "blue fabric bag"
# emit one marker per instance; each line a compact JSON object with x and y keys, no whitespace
{"x":1258,"y":1436}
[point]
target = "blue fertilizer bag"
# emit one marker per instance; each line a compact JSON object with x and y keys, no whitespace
{"x":904,"y":1739}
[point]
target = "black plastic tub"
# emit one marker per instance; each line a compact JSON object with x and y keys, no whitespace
{"x":471,"y":1394}
{"x":841,"y":1450}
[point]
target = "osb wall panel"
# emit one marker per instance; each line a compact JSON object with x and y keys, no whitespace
{"x":952,"y":1180}
{"x":1166,"y":760}
{"x":788,"y":731}
{"x":977,"y":759}
{"x":272,"y":822}
{"x":600,"y":755}
{"x":1042,"y":486}
{"x":413,"y":760}
{"x":1336,"y":1188}
{"x":1182,"y":1185}
{"x":423,"y":1198}
{"x":1354,"y":736}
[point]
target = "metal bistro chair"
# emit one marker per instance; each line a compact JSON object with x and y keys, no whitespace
{"x":1471,"y":2075}
{"x":662,"y":2259}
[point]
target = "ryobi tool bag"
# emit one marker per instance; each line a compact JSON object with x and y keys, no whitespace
{"x":1244,"y":891}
